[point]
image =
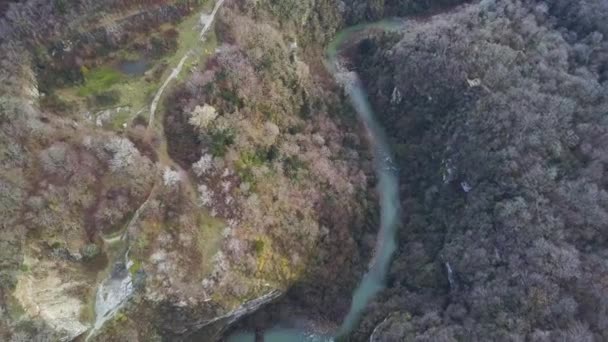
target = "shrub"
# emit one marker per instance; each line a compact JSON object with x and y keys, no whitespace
{"x":258,"y":246}
{"x":55,"y":104}
{"x":292,"y":164}
{"x":90,"y":251}
{"x":61,"y":6}
{"x":106,"y":98}
{"x":220,"y":141}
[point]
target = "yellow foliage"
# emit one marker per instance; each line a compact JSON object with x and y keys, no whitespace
{"x":275,"y":266}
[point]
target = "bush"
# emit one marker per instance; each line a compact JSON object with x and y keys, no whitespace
{"x":55,"y":104}
{"x":90,"y":251}
{"x":220,"y":141}
{"x":106,"y":98}
{"x":292,"y":164}
{"x":61,"y":6}
{"x":258,"y":246}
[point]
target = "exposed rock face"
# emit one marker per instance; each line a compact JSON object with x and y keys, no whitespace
{"x":111,"y":295}
{"x":213,"y":328}
{"x":45,"y":295}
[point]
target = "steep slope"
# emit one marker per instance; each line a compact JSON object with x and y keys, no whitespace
{"x":502,"y":159}
{"x":249,"y":179}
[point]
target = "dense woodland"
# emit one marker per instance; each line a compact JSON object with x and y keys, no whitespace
{"x":497,"y":112}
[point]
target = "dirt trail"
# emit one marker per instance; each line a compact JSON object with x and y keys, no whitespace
{"x":114,"y":291}
{"x":207,"y":21}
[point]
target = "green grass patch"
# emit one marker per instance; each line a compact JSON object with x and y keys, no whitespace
{"x":258,"y":246}
{"x":136,"y":92}
{"x":220,"y":141}
{"x":245,"y":165}
{"x":120,"y":119}
{"x":105,"y":98}
{"x":190,"y":40}
{"x":99,"y":80}
{"x":135,"y":267}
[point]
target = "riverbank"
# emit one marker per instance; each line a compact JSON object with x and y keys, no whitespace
{"x":387,"y":190}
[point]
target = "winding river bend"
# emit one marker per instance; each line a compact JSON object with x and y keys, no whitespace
{"x":388,"y":190}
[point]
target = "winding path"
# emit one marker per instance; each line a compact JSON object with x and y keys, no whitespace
{"x":208,"y":19}
{"x":174,"y":73}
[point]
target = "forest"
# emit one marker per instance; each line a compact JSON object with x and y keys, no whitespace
{"x":502,"y":155}
{"x":255,"y":179}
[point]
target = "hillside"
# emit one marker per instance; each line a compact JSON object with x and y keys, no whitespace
{"x":183,"y":170}
{"x":161,"y":180}
{"x":502,"y":162}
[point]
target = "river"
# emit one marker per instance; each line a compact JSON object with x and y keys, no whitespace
{"x":388,"y":191}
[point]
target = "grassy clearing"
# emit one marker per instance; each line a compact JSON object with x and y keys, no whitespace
{"x":188,"y":42}
{"x":99,"y":80}
{"x":208,"y":243}
{"x":201,"y":52}
{"x":136,"y":92}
